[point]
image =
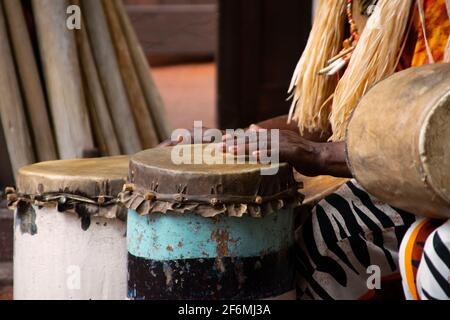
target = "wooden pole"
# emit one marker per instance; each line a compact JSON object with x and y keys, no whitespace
{"x":12,"y":115}
{"x":152,"y":95}
{"x":31,"y":82}
{"x":110,"y":76}
{"x":63,"y":78}
{"x":6,"y":173}
{"x":142,"y":116}
{"x":104,"y":129}
{"x":99,"y":138}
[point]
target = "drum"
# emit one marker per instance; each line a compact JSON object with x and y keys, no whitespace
{"x":70,"y":232}
{"x":318,"y":188}
{"x":398,"y":141}
{"x":209,"y":231}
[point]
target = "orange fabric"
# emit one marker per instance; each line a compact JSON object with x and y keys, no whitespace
{"x":410,"y":275}
{"x":414,"y":252}
{"x":437,"y":28}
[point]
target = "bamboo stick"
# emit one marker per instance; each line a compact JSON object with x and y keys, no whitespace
{"x":12,"y":114}
{"x":110,"y":76}
{"x":63,"y":78}
{"x":31,"y":82}
{"x":104,"y":129}
{"x":152,"y":95}
{"x":142,"y":116}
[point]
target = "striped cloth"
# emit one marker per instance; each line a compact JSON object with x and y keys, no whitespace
{"x":349,"y":234}
{"x":425,"y":260}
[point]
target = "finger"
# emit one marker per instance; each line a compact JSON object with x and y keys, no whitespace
{"x":222,"y":147}
{"x":237,"y":150}
{"x":228,"y":140}
{"x":261,"y":154}
{"x":256,"y":144}
{"x":257,"y":155}
{"x":248,"y":139}
{"x":167,"y":143}
{"x":255,"y":127}
{"x":243,"y":149}
{"x":208,"y":139}
{"x":225,"y":146}
{"x":181,"y":139}
{"x":227,"y":137}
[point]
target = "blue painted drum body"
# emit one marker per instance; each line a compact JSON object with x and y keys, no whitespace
{"x":189,"y":248}
{"x":191,"y":257}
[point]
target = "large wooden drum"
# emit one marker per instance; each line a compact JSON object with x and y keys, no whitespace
{"x":70,"y":232}
{"x":399,"y":141}
{"x":209,"y":231}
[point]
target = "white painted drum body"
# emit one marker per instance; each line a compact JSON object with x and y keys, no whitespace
{"x":62,"y":261}
{"x":70,"y":231}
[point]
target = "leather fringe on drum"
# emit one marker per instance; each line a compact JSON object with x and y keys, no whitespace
{"x":209,"y":206}
{"x":86,"y":207}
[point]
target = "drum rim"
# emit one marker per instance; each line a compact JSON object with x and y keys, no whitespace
{"x":425,"y":138}
{"x":157,"y":188}
{"x":437,"y":202}
{"x":137,"y":160}
{"x":31,"y":178}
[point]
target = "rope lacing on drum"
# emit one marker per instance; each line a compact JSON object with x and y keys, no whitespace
{"x":13,"y":198}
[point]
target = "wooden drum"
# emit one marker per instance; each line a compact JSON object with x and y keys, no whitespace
{"x":209,"y":231}
{"x":399,"y":141}
{"x":69,"y":238}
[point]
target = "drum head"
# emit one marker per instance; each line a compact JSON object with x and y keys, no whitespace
{"x":398,"y":141}
{"x":89,"y":177}
{"x":168,"y":179}
{"x":435,"y":147}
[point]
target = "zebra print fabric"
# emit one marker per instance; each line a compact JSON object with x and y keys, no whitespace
{"x":347,"y":234}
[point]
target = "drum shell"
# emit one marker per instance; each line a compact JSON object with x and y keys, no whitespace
{"x":209,"y":230}
{"x":398,"y":148}
{"x":70,"y":230}
{"x":189,"y":257}
{"x":61,"y":261}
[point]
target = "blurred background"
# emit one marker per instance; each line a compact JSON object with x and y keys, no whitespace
{"x":225,"y":62}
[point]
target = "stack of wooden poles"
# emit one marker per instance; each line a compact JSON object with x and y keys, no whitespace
{"x":70,"y":93}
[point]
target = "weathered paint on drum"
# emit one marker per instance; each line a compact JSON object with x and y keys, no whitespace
{"x":191,"y":257}
{"x":55,"y":259}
